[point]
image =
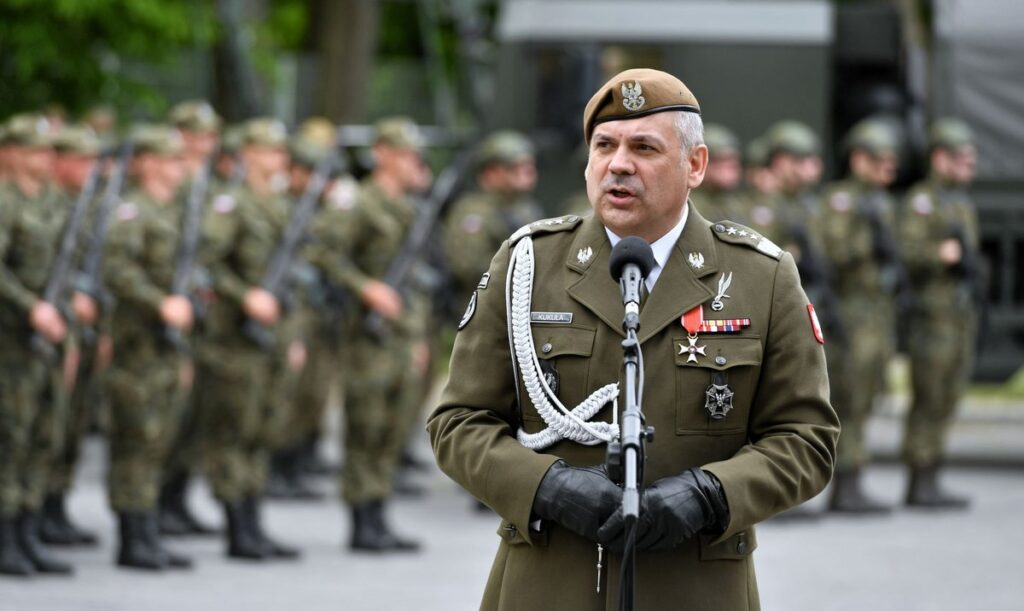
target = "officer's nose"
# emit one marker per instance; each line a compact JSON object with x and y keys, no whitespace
{"x":622,"y":162}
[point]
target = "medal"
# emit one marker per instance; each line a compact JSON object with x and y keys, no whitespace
{"x":718,"y":400}
{"x":692,"y":322}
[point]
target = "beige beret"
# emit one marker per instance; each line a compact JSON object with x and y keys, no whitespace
{"x":637,"y":93}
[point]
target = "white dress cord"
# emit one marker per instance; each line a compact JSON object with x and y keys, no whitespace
{"x":562,"y":423}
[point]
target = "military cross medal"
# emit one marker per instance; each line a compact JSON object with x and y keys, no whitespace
{"x":692,"y":321}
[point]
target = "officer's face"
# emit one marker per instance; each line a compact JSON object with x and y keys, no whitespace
{"x":265,"y":160}
{"x":638,"y":177}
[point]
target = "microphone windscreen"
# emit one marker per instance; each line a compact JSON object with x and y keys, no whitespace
{"x":631,"y":250}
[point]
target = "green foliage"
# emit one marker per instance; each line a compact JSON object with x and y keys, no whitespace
{"x":75,"y":52}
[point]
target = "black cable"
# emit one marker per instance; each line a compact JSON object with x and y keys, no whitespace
{"x":626,"y":570}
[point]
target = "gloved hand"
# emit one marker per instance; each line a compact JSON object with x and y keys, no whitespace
{"x":579,"y":498}
{"x":672,"y":510}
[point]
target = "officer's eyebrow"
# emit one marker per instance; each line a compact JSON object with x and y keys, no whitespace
{"x":648,"y":139}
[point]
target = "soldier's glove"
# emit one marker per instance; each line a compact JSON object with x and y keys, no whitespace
{"x":672,"y":510}
{"x":579,"y":498}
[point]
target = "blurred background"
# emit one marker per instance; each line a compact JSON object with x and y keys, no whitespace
{"x":460,"y":67}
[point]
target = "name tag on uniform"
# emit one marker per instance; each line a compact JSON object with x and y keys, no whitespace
{"x":561,"y":318}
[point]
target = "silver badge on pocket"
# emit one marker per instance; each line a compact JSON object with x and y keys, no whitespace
{"x":718,"y":397}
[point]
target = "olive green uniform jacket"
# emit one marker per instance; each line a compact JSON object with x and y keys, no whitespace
{"x":771,"y":452}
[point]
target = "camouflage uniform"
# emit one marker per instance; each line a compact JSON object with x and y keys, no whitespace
{"x":146,"y":399}
{"x":480,"y":221}
{"x":32,"y":398}
{"x":240,"y":234}
{"x":943,"y":318}
{"x":356,"y":242}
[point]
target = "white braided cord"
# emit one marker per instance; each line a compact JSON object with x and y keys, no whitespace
{"x":569,"y":424}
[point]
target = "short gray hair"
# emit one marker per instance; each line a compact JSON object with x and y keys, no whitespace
{"x":690,"y":128}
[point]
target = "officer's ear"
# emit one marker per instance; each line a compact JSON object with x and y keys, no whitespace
{"x":696,"y":165}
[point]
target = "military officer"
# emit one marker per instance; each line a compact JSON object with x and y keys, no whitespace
{"x":355,"y":242}
{"x":857,"y":232}
{"x":146,"y":383}
{"x":744,"y":426}
{"x":78,"y":149}
{"x":31,"y":219}
{"x":506,"y":174}
{"x":939,"y":241}
{"x":719,"y":196}
{"x":241,"y":231}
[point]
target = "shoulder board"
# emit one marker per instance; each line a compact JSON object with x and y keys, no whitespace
{"x":734,"y":233}
{"x":552,"y":225}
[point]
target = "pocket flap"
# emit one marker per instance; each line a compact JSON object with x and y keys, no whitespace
{"x":551,"y":342}
{"x":719,"y":352}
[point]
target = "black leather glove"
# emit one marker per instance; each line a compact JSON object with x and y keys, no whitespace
{"x":672,"y":510}
{"x":579,"y":498}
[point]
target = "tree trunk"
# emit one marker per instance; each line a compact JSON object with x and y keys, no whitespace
{"x":347,"y":40}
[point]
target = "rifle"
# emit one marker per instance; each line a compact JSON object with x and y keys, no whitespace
{"x":57,"y":283}
{"x":973,"y":278}
{"x":89,"y":280}
{"x":277,"y":277}
{"x":428,"y":211}
{"x":894,"y":277}
{"x":186,"y":255}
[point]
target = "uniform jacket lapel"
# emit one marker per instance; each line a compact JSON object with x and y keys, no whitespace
{"x":678,"y":289}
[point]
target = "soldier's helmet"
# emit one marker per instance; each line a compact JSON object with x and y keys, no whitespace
{"x":758,"y":153}
{"x":30,"y":130}
{"x":505,"y":147}
{"x":873,"y":135}
{"x":318,"y":131}
{"x":400,"y":133}
{"x":793,"y":137}
{"x":231,"y":140}
{"x":195,"y":116}
{"x":157,"y":139}
{"x":950,"y":133}
{"x":305,"y":151}
{"x":78,"y":139}
{"x":264,"y":131}
{"x":720,"y":140}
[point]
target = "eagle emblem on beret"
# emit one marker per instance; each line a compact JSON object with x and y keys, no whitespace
{"x":632,"y":97}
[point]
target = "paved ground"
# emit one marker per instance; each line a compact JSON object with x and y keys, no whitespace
{"x":911,"y":561}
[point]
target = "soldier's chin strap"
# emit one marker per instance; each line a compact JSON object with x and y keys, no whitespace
{"x":562,"y":423}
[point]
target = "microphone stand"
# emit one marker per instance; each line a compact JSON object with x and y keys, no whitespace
{"x":626,"y":457}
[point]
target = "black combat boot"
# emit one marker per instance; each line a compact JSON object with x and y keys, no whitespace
{"x":242,"y":542}
{"x":924,"y":491}
{"x":393,"y":541}
{"x":175,"y":517}
{"x":278,"y":486}
{"x":269,"y":547}
{"x":167,"y":557}
{"x":136,"y":550}
{"x":370,"y":532}
{"x":848,"y":497}
{"x":13,"y":560}
{"x":56,"y":527}
{"x":41,"y":558}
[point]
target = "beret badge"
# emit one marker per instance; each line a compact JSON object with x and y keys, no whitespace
{"x":631,"y":96}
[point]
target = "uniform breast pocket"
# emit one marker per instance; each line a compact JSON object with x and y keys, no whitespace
{"x":564,"y":355}
{"x":715,"y":383}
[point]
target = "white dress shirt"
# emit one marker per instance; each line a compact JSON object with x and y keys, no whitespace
{"x":662,"y":248}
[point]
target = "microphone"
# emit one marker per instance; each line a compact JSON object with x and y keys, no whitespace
{"x":631,"y":261}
